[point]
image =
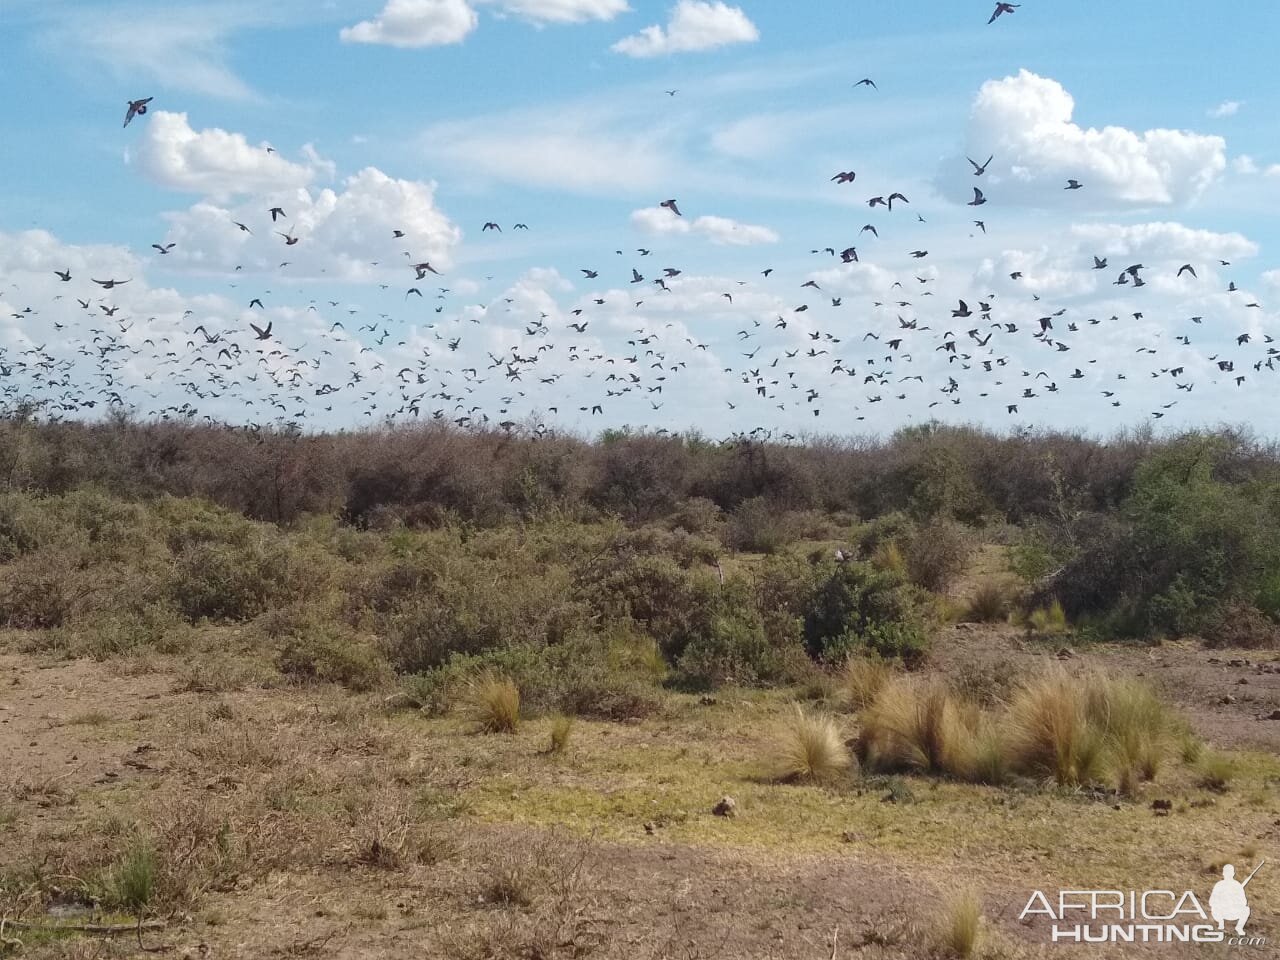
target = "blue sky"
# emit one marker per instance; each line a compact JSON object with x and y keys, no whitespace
{"x":437,"y":116}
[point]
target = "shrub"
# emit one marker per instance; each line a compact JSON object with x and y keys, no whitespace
{"x":494,"y":702}
{"x":808,"y":747}
{"x":1215,"y":772}
{"x":132,"y":882}
{"x":758,"y":526}
{"x":858,"y":608}
{"x":735,"y":651}
{"x":937,"y":553}
{"x":329,"y":655}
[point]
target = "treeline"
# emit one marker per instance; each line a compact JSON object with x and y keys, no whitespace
{"x":433,"y":474}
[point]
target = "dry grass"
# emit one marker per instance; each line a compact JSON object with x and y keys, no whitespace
{"x":918,"y":725}
{"x":561,"y":729}
{"x":863,"y":679}
{"x":959,"y":930}
{"x":809,"y":747}
{"x":494,"y":703}
{"x":989,"y":604}
{"x":1050,"y":734}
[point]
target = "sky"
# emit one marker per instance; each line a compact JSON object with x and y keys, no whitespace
{"x":361,"y":119}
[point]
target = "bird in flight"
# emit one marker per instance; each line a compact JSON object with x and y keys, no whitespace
{"x":163,"y":248}
{"x":490,"y":225}
{"x":671,"y":205}
{"x":979,"y":170}
{"x":846,"y":176}
{"x":108,"y":284}
{"x":136,"y":107}
{"x":867,"y":82}
{"x":260,"y":332}
{"x":1073,"y":185}
{"x":1001,"y":9}
{"x":978,"y":199}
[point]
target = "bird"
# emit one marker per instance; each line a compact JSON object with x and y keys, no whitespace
{"x":136,"y":108}
{"x":276,"y":212}
{"x":978,"y":200}
{"x":1187,"y":268}
{"x":867,"y":82}
{"x":671,"y":205}
{"x":165,"y":248}
{"x":845,"y":176}
{"x":1073,"y":185}
{"x":260,"y":332}
{"x":64,"y":275}
{"x":979,"y":170}
{"x":490,"y":225}
{"x":110,"y":284}
{"x":1001,"y":9}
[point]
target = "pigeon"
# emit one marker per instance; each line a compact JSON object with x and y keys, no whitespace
{"x":136,"y":108}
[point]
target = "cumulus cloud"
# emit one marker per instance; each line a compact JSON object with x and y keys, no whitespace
{"x":1026,"y":122}
{"x":213,"y":162}
{"x":415,"y":23}
{"x":659,"y":221}
{"x":341,"y":233}
{"x":694,"y":25}
{"x":1228,"y":108}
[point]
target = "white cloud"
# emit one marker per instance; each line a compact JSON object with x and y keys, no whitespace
{"x":1228,"y":108}
{"x":694,"y":25}
{"x":213,"y":162}
{"x":579,"y":150}
{"x":1245,"y":164}
{"x":1026,"y":122}
{"x":562,"y":11}
{"x":415,"y":23}
{"x":341,"y":233}
{"x":659,"y":221}
{"x":429,"y":23}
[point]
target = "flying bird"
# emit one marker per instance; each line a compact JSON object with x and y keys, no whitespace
{"x":136,"y":108}
{"x":671,"y":205}
{"x":979,"y":170}
{"x":1001,"y":9}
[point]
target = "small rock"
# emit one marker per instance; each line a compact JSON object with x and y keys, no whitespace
{"x":727,"y":807}
{"x":1226,"y":699}
{"x":1274,"y":715}
{"x":707,"y":700}
{"x":651,"y":828}
{"x":1064,"y":653}
{"x":1243,"y":681}
{"x":1162,"y":808}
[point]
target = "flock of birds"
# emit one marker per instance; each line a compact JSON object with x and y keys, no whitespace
{"x":257,"y":373}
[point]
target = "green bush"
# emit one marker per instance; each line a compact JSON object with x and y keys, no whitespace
{"x":758,"y":526}
{"x":856,"y":608}
{"x":331,"y":656}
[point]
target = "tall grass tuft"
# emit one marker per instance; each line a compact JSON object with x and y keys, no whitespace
{"x":809,"y":747}
{"x":1050,"y":734}
{"x":918,"y":725}
{"x":989,"y":604}
{"x":864,"y":678}
{"x":561,"y":728}
{"x":494,"y":701}
{"x":959,"y":931}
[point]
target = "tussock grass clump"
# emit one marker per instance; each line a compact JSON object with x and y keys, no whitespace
{"x":494,"y":702}
{"x":918,"y":725}
{"x":1076,"y":730}
{"x":809,"y":747}
{"x":1215,"y":772}
{"x":888,"y":557}
{"x":561,"y":728}
{"x":863,"y":679}
{"x":1050,"y":732}
{"x":959,"y":930}
{"x":989,"y":603}
{"x":132,"y":883}
{"x":1050,"y":621}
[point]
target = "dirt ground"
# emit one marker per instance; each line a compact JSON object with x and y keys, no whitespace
{"x":86,"y":746}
